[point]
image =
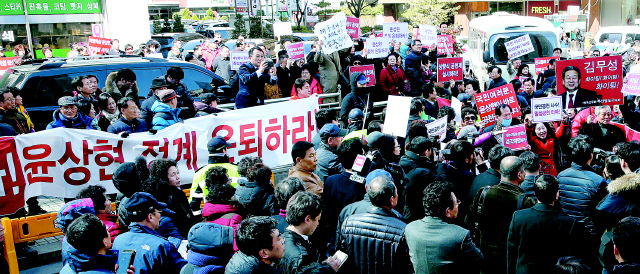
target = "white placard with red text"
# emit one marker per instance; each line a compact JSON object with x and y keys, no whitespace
{"x":98,"y":45}
{"x":237,"y":58}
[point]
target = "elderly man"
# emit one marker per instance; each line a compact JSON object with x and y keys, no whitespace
{"x":157,"y":85}
{"x":67,"y":115}
{"x":605,"y":135}
{"x":173,"y":78}
{"x":304,"y":164}
{"x":130,"y":121}
{"x":165,"y":111}
{"x":10,"y":115}
{"x":328,"y":164}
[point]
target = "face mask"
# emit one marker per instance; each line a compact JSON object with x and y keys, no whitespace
{"x":506,"y":122}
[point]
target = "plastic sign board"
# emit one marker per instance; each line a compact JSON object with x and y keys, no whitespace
{"x":237,"y":59}
{"x":593,"y":81}
{"x":295,"y":50}
{"x":547,"y":109}
{"x":368,"y":71}
{"x":450,"y":69}
{"x":519,"y":46}
{"x":516,"y":137}
{"x":489,"y":100}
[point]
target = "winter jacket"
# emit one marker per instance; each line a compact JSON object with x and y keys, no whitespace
{"x":328,"y":163}
{"x":111,"y":87}
{"x":164,"y":116}
{"x":580,"y":119}
{"x":357,"y":98}
{"x":416,"y":77}
{"x":184,"y":97}
{"x":420,"y":172}
{"x":24,"y":112}
{"x":111,"y":222}
{"x":225,"y":215}
{"x":605,"y":142}
{"x":102,"y":123}
{"x":176,"y":201}
{"x":497,"y":83}
{"x":145,"y":109}
{"x":130,"y":126}
{"x":312,"y":182}
{"x":414,"y":59}
{"x":204,"y":264}
{"x":298,"y":253}
{"x":80,"y":262}
{"x":203,"y":109}
{"x":339,"y":191}
{"x":251,"y":91}
{"x":242,"y":263}
{"x":491,"y":177}
{"x":392,"y":80}
{"x":546,"y":149}
{"x":375,"y":243}
{"x":219,"y":67}
{"x":622,"y":201}
{"x":258,"y":200}
{"x":154,"y":254}
{"x":581,"y":189}
{"x":329,"y":68}
{"x":81,"y":121}
{"x":15,"y":119}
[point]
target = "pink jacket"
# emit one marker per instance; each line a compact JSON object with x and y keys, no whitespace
{"x":110,"y":221}
{"x":208,"y":56}
{"x":214,"y":213}
{"x":580,"y":119}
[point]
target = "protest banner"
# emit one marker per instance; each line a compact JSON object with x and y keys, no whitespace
{"x":334,"y":33}
{"x":515,"y":138}
{"x":519,"y":46}
{"x":12,"y":181}
{"x":353,"y":27}
{"x":438,"y":127}
{"x":5,"y":63}
{"x":595,"y":81}
{"x":60,"y":162}
{"x":295,"y":50}
{"x":445,"y":44}
{"x":237,"y":58}
{"x":282,"y":28}
{"x":98,"y":45}
{"x":547,"y":109}
{"x":489,"y":100}
{"x":632,"y":86}
{"x":377,"y":47}
{"x":395,"y":122}
{"x":428,"y":35}
{"x":450,"y":69}
{"x":398,"y":32}
{"x":542,"y":63}
{"x":368,"y":71}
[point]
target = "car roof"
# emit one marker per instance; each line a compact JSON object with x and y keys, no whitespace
{"x":92,"y":62}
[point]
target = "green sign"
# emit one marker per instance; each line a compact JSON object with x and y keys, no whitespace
{"x":63,"y":6}
{"x":11,"y":7}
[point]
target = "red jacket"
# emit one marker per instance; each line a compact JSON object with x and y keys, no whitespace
{"x":546,"y":150}
{"x":110,"y":221}
{"x":223,"y":214}
{"x":314,"y":87}
{"x":392,"y":81}
{"x":580,"y":119}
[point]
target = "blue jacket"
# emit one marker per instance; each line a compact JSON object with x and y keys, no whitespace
{"x":154,"y":254}
{"x":81,"y":121}
{"x":133,"y":126}
{"x":251,"y":91}
{"x":159,"y":122}
{"x":581,"y":189}
{"x":79,"y":262}
{"x":497,"y":83}
{"x":413,"y":58}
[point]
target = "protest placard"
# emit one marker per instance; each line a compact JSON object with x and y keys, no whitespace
{"x":547,"y":109}
{"x":450,"y":69}
{"x":632,"y":86}
{"x":377,"y":47}
{"x":428,"y":35}
{"x":98,"y":45}
{"x":368,"y":71}
{"x":395,"y":122}
{"x":398,"y":32}
{"x":438,"y":127}
{"x":445,"y":44}
{"x":515,"y":138}
{"x":489,"y":100}
{"x":542,"y":63}
{"x":334,"y":33}
{"x":295,"y":50}
{"x":237,"y":58}
{"x":519,"y":46}
{"x":593,"y":81}
{"x":353,"y":27}
{"x":282,"y":28}
{"x":5,"y":63}
{"x":283,"y":5}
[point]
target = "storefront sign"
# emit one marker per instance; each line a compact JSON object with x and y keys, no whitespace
{"x":519,"y":46}
{"x":377,"y":47}
{"x":428,"y":35}
{"x":237,"y":59}
{"x":5,"y":63}
{"x":295,"y":50}
{"x":368,"y":71}
{"x":7,"y":35}
{"x":632,"y":86}
{"x":63,"y":6}
{"x":598,"y":82}
{"x":489,"y":100}
{"x":438,"y":127}
{"x":334,"y":33}
{"x":11,"y":7}
{"x":450,"y":69}
{"x":546,"y":109}
{"x":516,"y":137}
{"x":542,"y":63}
{"x":398,"y":32}
{"x":445,"y":44}
{"x":353,"y":27}
{"x":99,"y":45}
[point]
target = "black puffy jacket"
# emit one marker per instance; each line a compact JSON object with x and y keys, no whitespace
{"x":257,"y":199}
{"x":581,"y":189}
{"x":242,"y":263}
{"x":420,"y":172}
{"x":375,"y":243}
{"x":298,"y":253}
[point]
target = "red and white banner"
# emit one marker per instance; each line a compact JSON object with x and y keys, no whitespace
{"x":99,"y":45}
{"x":516,"y":137}
{"x":542,"y":63}
{"x":295,"y":50}
{"x":596,"y":81}
{"x":353,"y":27}
{"x":60,"y":162}
{"x":368,"y":71}
{"x":5,"y":63}
{"x":450,"y":69}
{"x":489,"y":100}
{"x":445,"y":44}
{"x":632,"y":86}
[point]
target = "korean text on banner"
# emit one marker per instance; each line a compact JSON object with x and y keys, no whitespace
{"x":445,"y":44}
{"x":377,"y":47}
{"x":282,"y":28}
{"x":542,"y":63}
{"x":368,"y":71}
{"x":632,"y":86}
{"x":395,"y":123}
{"x":428,"y":35}
{"x":489,"y":100}
{"x":398,"y":32}
{"x":546,"y":109}
{"x":334,"y":33}
{"x":519,"y":46}
{"x":98,"y":45}
{"x":353,"y":27}
{"x":516,"y":137}
{"x":6,"y":62}
{"x":450,"y":69}
{"x":237,"y":59}
{"x":12,"y":183}
{"x":594,"y":81}
{"x":60,"y":162}
{"x":438,"y":127}
{"x":295,"y":50}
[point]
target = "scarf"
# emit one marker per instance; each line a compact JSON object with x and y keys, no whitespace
{"x":205,"y":263}
{"x":111,"y":117}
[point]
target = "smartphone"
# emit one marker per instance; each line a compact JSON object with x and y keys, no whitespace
{"x":341,"y":256}
{"x":125,"y":259}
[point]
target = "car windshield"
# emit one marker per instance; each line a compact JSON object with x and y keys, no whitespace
{"x":12,"y":78}
{"x":224,"y":34}
{"x":164,"y":41}
{"x":543,"y":44}
{"x":612,"y":37}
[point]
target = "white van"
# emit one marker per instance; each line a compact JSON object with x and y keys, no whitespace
{"x":488,"y":34}
{"x":619,"y":37}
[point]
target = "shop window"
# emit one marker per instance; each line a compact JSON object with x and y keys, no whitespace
{"x":59,"y":36}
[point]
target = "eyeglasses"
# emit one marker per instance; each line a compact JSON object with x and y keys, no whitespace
{"x":158,"y":212}
{"x":470,"y":118}
{"x":357,"y":63}
{"x":10,"y":100}
{"x":458,"y":202}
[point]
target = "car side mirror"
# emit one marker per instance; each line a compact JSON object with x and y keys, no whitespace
{"x":486,"y":57}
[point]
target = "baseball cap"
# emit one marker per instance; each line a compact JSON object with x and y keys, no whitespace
{"x":356,"y":114}
{"x":378,"y":172}
{"x":216,"y":143}
{"x":158,"y":83}
{"x":67,"y":101}
{"x":167,"y":94}
{"x":362,"y":79}
{"x":142,"y":201}
{"x":331,"y":130}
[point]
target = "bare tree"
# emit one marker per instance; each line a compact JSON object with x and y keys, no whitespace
{"x":356,"y":6}
{"x":301,"y":11}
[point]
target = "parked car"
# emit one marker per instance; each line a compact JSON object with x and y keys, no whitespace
{"x":210,"y":32}
{"x":619,"y":38}
{"x":43,"y":84}
{"x":166,"y":40}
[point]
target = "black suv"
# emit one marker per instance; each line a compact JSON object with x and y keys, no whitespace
{"x":166,"y":40}
{"x":43,"y":84}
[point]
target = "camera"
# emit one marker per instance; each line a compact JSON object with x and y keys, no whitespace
{"x":269,"y":65}
{"x":599,"y":157}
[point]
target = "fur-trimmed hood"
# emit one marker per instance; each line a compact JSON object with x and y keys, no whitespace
{"x":110,"y":86}
{"x":629,"y":182}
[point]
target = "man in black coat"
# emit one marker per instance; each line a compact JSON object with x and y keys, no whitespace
{"x":420,"y":170}
{"x":496,"y":77}
{"x":604,"y":134}
{"x":157,"y":84}
{"x":173,"y":79}
{"x":535,"y":229}
{"x":253,"y":75}
{"x":491,"y":177}
{"x":531,"y":163}
{"x":626,"y":239}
